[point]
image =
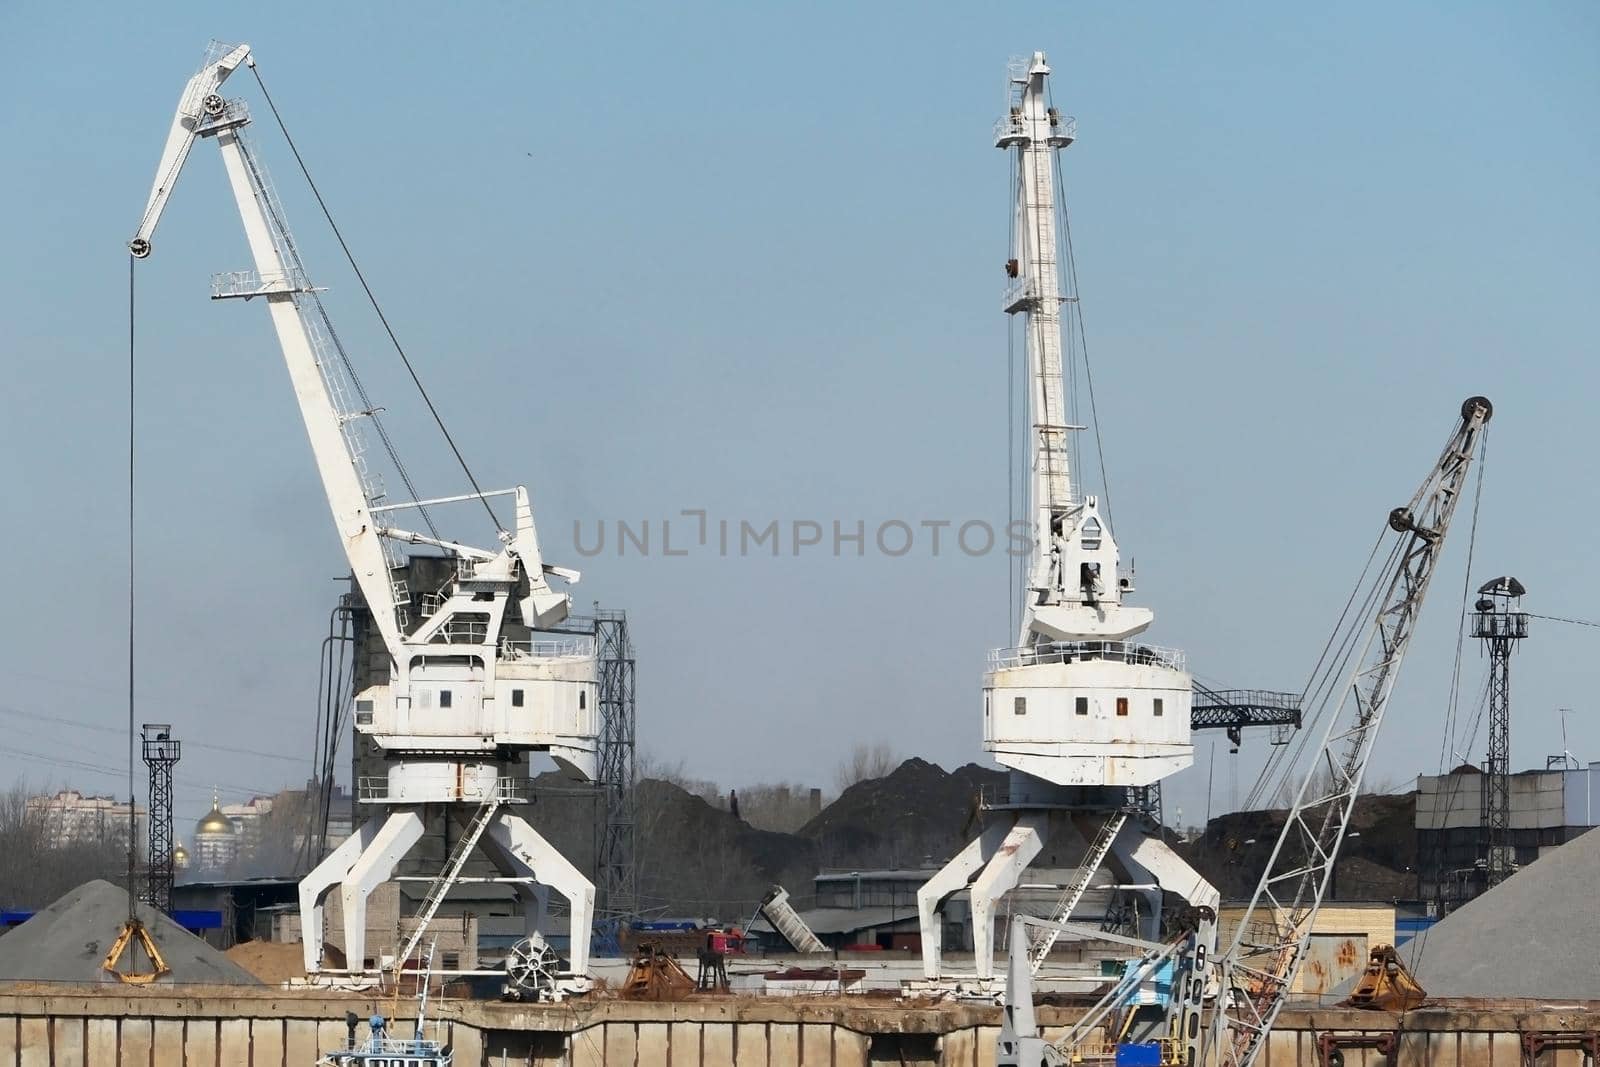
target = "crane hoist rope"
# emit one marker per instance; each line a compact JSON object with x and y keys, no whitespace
{"x":373,"y":300}
{"x":133,"y":824}
{"x":1075,"y":315}
{"x":1330,"y":666}
{"x":1279,"y":772}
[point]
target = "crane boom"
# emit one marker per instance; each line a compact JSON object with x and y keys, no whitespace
{"x":220,"y":61}
{"x":283,"y":284}
{"x":280,"y":279}
{"x":1271,"y":939}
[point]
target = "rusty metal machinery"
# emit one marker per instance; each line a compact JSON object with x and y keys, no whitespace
{"x":656,"y":976}
{"x":1387,"y":984}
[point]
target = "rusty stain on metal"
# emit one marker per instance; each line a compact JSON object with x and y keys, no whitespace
{"x":1331,"y":959}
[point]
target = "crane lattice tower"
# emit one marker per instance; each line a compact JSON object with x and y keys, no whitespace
{"x":161,"y":752}
{"x":1499,"y":624}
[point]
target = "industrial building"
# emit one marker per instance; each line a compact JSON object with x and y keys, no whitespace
{"x":1548,"y":808}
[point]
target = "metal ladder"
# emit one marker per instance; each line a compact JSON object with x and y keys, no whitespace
{"x":1074,"y":892}
{"x":447,"y":877}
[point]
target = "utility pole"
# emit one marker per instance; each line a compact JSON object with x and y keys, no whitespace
{"x":1500,"y":624}
{"x":161,"y":752}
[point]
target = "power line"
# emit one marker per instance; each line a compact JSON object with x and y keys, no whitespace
{"x":115,"y":730}
{"x":113,"y":771}
{"x":1559,"y":618}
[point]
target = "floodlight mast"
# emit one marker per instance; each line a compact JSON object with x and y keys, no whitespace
{"x":1269,"y":946}
{"x":470,"y":691}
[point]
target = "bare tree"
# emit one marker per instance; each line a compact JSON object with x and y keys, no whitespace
{"x":651,"y":766}
{"x":784,"y":807}
{"x":865,"y":762}
{"x":38,"y":868}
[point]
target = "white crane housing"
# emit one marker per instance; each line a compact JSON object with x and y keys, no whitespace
{"x":475,"y":684}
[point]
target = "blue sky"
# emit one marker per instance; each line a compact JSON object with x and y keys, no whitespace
{"x":746,"y":258}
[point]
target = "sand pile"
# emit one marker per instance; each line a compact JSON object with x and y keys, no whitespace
{"x":1535,"y":935}
{"x":273,"y":962}
{"x":68,"y":942}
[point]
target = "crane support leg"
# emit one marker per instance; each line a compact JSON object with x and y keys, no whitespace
{"x":401,"y":830}
{"x":951,"y":877}
{"x":535,"y":899}
{"x":315,"y":887}
{"x":1000,"y":875}
{"x":1151,"y":861}
{"x":517,"y":849}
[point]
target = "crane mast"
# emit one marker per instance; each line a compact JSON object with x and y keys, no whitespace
{"x":1036,"y":294}
{"x":1270,"y":943}
{"x":1072,"y":589}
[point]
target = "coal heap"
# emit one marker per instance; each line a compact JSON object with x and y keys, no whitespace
{"x":919,"y":814}
{"x":1376,"y":865}
{"x":68,"y":942}
{"x":696,"y":859}
{"x":1535,"y":936}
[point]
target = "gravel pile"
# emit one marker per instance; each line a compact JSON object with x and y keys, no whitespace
{"x":68,"y":942}
{"x":1536,"y":935}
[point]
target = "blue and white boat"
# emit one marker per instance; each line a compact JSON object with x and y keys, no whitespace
{"x":380,"y":1049}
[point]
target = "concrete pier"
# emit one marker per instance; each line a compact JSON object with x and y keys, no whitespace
{"x":93,"y":1026}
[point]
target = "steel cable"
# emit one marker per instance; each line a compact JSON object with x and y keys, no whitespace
{"x":133,"y":819}
{"x":376,"y":307}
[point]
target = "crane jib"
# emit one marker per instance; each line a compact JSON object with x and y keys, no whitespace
{"x":1272,"y":936}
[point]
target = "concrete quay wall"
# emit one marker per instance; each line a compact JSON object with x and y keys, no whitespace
{"x":175,"y":1027}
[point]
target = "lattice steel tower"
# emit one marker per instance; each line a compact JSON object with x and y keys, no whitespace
{"x":616,"y":871}
{"x":161,"y":752}
{"x":1500,"y":624}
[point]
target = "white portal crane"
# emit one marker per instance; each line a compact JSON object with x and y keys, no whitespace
{"x":1251,"y":980}
{"x":472,"y":688}
{"x":1079,"y":713}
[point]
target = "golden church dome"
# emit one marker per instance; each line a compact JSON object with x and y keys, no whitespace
{"x":215,"y":823}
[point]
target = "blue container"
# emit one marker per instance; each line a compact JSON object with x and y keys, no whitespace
{"x":1139,"y":1055}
